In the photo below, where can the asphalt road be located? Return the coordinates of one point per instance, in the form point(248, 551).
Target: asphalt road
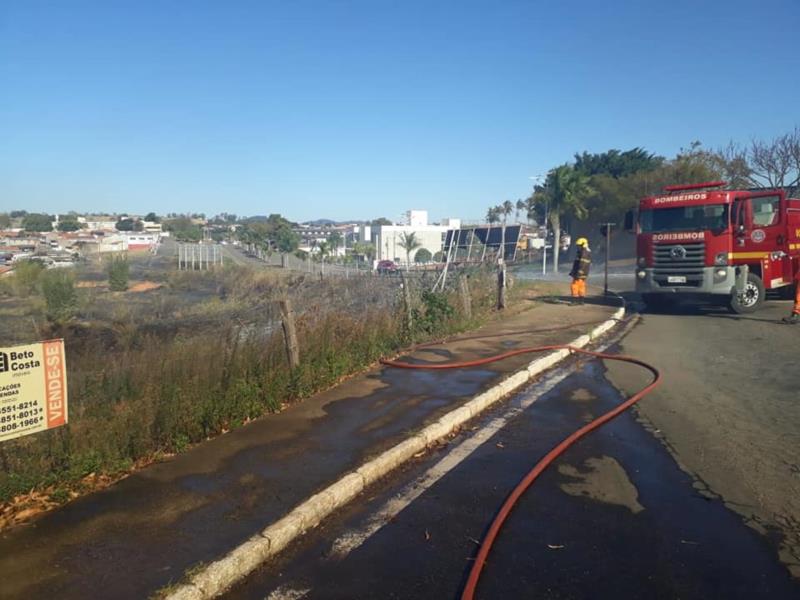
point(730, 413)
point(695, 495)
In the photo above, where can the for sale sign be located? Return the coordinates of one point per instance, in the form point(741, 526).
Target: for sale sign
point(33, 388)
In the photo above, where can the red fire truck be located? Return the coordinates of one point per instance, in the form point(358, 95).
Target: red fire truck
point(703, 243)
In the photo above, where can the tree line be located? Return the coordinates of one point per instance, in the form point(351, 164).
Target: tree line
point(600, 187)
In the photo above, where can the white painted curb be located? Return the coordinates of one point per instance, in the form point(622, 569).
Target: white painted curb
point(219, 575)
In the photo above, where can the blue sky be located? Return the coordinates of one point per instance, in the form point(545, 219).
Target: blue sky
point(360, 109)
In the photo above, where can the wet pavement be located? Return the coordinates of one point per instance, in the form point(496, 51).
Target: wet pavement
point(615, 517)
point(146, 531)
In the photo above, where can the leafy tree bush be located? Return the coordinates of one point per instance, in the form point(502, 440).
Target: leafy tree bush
point(118, 273)
point(434, 314)
point(286, 239)
point(183, 229)
point(26, 274)
point(129, 225)
point(68, 223)
point(37, 222)
point(58, 288)
point(5, 221)
point(423, 255)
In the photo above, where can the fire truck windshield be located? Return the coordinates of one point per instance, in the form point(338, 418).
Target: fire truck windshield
point(684, 218)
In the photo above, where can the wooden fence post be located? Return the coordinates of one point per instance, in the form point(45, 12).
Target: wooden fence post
point(289, 333)
point(466, 299)
point(406, 300)
point(501, 286)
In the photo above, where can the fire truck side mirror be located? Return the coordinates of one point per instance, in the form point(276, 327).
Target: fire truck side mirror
point(629, 221)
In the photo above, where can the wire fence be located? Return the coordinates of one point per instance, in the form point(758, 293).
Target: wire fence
point(206, 350)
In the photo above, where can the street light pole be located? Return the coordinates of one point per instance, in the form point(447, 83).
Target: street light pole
point(607, 227)
point(544, 248)
point(536, 179)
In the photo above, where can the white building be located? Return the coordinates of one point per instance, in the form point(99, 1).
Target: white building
point(388, 240)
point(417, 218)
point(452, 223)
point(98, 224)
point(139, 240)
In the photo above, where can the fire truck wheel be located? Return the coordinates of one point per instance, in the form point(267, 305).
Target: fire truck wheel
point(752, 298)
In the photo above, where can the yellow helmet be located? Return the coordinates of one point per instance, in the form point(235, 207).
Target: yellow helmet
point(582, 242)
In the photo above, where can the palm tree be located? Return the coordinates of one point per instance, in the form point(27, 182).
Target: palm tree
point(567, 189)
point(530, 208)
point(334, 240)
point(519, 207)
point(492, 215)
point(506, 208)
point(324, 249)
point(409, 243)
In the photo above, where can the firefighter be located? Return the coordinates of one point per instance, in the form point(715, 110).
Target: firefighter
point(795, 316)
point(580, 270)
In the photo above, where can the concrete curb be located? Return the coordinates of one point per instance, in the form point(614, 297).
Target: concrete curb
point(216, 577)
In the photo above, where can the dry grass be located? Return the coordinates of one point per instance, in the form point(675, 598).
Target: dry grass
point(150, 374)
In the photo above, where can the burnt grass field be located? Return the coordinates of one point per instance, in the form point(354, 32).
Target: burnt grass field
point(183, 356)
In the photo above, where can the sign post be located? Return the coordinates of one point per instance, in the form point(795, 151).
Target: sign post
point(33, 388)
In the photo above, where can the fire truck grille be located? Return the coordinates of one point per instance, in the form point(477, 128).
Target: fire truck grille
point(671, 262)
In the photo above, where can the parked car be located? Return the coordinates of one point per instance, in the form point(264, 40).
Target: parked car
point(386, 266)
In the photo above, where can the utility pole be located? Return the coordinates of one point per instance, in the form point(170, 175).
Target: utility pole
point(544, 249)
point(606, 231)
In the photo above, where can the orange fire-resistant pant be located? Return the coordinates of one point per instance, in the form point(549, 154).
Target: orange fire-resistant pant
point(578, 288)
point(796, 309)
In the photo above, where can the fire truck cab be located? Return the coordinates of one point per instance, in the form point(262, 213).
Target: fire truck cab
point(702, 243)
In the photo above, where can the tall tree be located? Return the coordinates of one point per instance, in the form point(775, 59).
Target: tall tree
point(492, 215)
point(409, 243)
point(68, 223)
point(324, 249)
point(776, 162)
point(519, 207)
point(335, 240)
point(365, 249)
point(37, 222)
point(617, 164)
point(286, 240)
point(128, 224)
point(506, 208)
point(532, 208)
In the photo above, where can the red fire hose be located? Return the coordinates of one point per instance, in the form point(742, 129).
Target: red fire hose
point(527, 481)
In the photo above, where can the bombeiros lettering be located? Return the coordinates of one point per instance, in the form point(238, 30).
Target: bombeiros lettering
point(680, 198)
point(697, 236)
